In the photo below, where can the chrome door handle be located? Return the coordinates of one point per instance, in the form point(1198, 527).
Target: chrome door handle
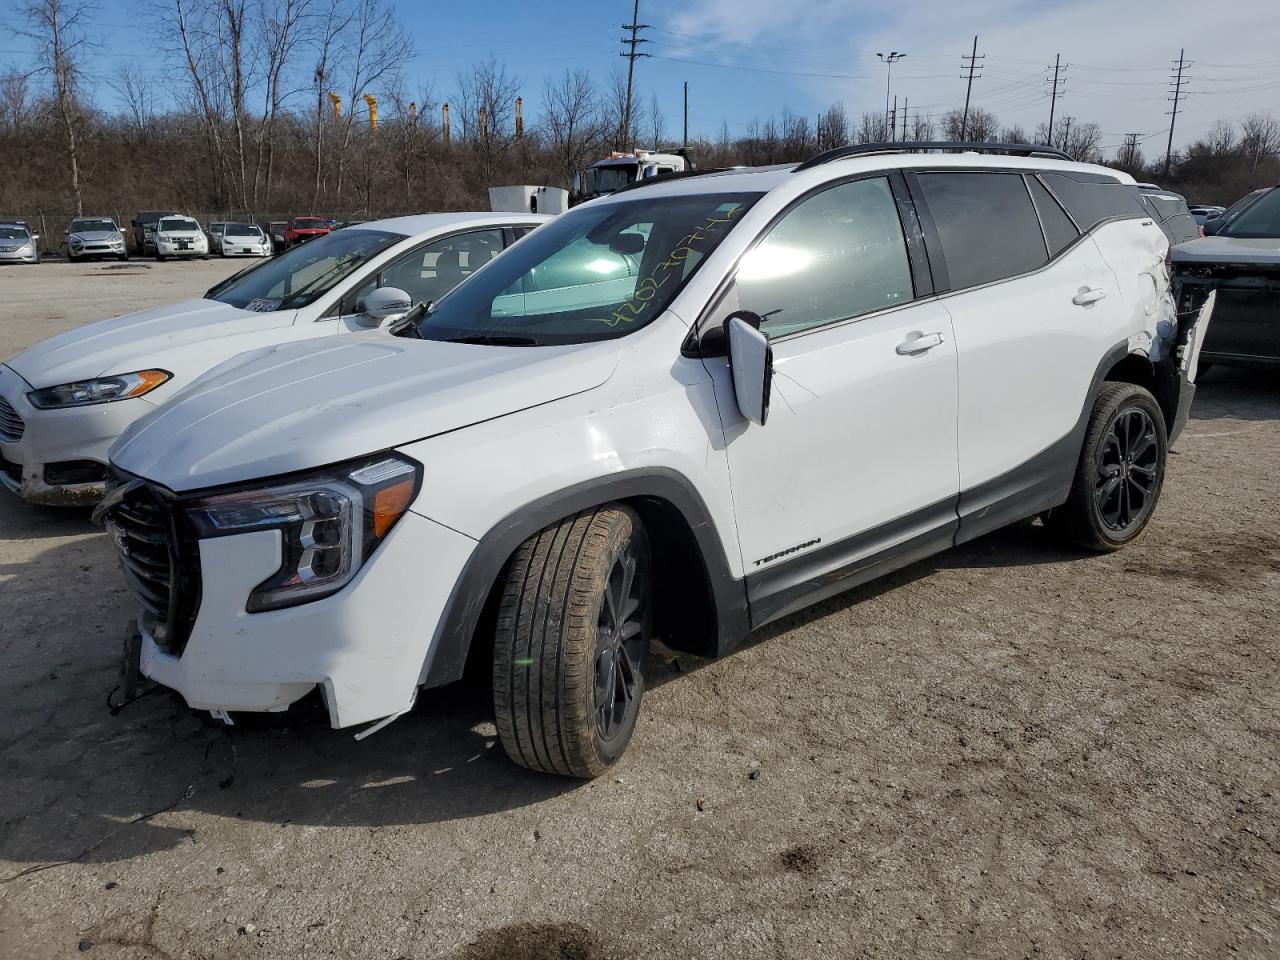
point(918, 343)
point(1087, 295)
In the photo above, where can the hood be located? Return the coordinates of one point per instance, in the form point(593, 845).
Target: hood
point(96, 236)
point(310, 404)
point(1221, 249)
point(137, 341)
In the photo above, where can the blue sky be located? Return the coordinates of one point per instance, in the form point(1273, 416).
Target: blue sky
point(750, 58)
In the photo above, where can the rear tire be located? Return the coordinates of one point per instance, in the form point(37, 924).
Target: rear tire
point(1120, 473)
point(572, 643)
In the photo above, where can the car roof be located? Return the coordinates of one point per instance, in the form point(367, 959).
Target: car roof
point(430, 222)
point(765, 179)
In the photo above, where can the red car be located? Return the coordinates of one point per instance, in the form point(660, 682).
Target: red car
point(299, 229)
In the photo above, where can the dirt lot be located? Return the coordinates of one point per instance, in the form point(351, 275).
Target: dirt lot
point(1008, 751)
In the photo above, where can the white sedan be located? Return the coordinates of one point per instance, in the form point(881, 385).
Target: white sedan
point(242, 240)
point(64, 401)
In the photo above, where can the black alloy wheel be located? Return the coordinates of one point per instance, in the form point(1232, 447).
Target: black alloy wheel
point(1128, 474)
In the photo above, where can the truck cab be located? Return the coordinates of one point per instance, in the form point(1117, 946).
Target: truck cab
point(619, 170)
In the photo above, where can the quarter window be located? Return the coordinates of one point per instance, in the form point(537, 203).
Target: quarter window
point(839, 254)
point(987, 225)
point(1059, 231)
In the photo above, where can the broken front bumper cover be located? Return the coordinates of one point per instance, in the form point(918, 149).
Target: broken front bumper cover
point(365, 647)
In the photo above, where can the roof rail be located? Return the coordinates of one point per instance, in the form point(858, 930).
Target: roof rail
point(870, 149)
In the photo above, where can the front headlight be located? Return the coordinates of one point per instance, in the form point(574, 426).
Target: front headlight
point(101, 390)
point(76, 239)
point(329, 523)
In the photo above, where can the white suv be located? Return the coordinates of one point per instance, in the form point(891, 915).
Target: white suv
point(686, 409)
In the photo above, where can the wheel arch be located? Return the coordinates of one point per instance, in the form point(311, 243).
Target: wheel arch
point(702, 607)
point(1160, 379)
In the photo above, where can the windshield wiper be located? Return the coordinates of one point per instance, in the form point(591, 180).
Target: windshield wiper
point(495, 340)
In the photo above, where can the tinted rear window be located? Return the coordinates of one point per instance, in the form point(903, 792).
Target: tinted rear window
point(1059, 231)
point(987, 224)
point(1091, 199)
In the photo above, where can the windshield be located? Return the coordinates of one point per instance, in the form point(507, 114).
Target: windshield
point(242, 230)
point(91, 226)
point(174, 224)
point(13, 233)
point(614, 178)
point(298, 277)
point(310, 223)
point(1261, 219)
point(597, 272)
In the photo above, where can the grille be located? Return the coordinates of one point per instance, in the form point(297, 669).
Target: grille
point(12, 426)
point(160, 564)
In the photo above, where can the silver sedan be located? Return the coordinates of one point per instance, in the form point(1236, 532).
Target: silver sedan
point(95, 237)
point(17, 244)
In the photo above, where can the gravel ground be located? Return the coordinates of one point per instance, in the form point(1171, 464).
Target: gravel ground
point(1010, 750)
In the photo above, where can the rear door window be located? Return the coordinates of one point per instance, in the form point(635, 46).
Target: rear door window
point(987, 225)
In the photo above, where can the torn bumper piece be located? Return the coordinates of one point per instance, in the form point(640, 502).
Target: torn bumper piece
point(364, 647)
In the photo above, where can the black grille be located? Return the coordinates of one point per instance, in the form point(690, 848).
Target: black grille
point(160, 562)
point(12, 426)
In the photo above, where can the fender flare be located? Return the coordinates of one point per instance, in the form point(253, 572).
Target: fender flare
point(451, 644)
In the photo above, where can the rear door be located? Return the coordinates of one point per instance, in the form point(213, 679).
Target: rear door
point(1031, 299)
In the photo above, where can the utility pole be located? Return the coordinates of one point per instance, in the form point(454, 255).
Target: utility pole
point(888, 59)
point(635, 26)
point(1054, 94)
point(905, 102)
point(973, 64)
point(893, 120)
point(1130, 150)
point(1175, 95)
point(686, 114)
point(1066, 131)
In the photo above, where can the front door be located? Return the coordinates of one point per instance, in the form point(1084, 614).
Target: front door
point(857, 461)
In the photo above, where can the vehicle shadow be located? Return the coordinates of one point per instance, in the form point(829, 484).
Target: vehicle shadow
point(1237, 393)
point(20, 520)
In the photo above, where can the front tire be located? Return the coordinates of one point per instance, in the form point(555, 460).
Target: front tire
point(1120, 472)
point(572, 643)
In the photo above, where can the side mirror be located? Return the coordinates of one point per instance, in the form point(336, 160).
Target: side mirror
point(750, 364)
point(386, 303)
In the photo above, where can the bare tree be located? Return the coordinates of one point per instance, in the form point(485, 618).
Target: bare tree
point(56, 25)
point(571, 115)
point(1259, 139)
point(657, 122)
point(982, 126)
point(133, 87)
point(280, 31)
point(833, 127)
point(329, 28)
point(871, 128)
point(15, 100)
point(486, 107)
point(921, 129)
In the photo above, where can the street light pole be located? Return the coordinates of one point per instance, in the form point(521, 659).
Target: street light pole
point(889, 59)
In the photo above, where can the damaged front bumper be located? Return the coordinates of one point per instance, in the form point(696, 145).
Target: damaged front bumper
point(364, 647)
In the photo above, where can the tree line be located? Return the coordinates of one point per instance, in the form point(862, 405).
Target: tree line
point(265, 108)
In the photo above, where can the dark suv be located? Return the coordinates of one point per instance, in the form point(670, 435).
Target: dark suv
point(143, 227)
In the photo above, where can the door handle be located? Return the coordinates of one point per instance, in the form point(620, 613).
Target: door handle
point(918, 343)
point(1087, 295)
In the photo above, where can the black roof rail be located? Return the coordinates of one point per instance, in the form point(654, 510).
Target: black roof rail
point(870, 149)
